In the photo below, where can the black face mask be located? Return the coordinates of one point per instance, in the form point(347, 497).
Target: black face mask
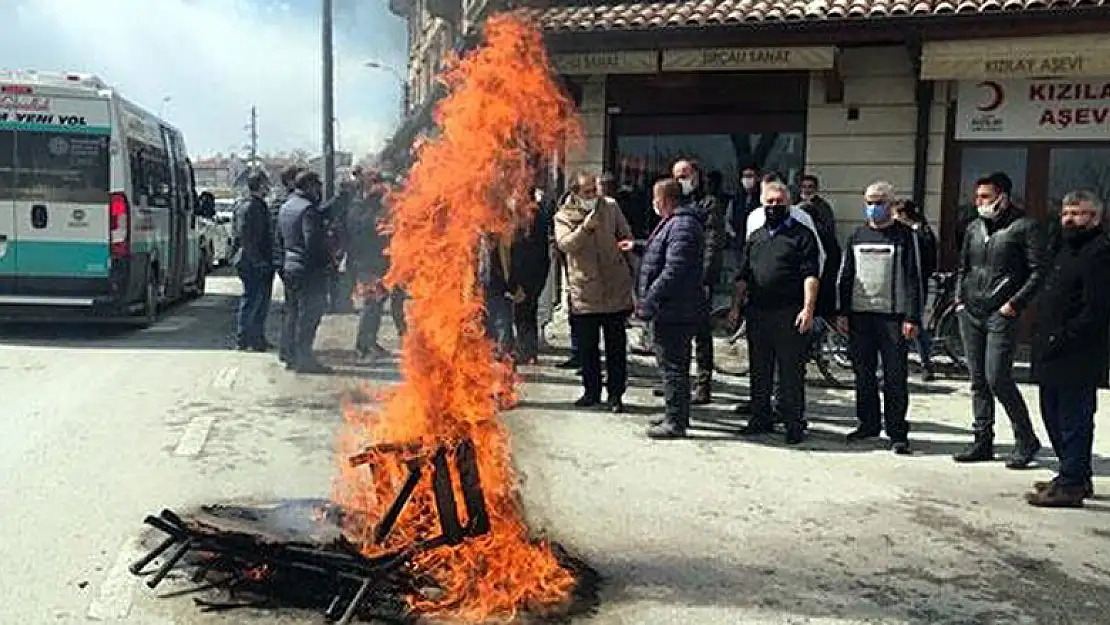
point(776, 215)
point(1078, 234)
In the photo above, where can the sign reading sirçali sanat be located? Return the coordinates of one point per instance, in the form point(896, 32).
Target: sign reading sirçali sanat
point(1046, 109)
point(762, 58)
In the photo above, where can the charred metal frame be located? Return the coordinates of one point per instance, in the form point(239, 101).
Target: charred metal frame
point(248, 553)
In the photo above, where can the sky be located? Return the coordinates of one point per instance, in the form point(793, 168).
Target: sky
point(214, 59)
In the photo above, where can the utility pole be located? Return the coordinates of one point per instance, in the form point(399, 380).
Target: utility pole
point(254, 138)
point(329, 102)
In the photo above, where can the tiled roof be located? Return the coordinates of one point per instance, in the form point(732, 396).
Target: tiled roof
point(568, 16)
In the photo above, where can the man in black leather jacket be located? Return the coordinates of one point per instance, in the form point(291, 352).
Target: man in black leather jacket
point(1001, 270)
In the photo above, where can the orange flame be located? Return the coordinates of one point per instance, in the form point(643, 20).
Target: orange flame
point(504, 110)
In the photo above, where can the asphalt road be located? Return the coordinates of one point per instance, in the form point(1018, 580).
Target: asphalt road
point(103, 427)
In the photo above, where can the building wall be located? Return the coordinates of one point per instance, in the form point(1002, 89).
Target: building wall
point(590, 156)
point(847, 155)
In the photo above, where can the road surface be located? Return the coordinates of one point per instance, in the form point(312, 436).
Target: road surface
point(101, 429)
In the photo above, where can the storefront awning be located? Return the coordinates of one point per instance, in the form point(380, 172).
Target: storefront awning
point(1026, 57)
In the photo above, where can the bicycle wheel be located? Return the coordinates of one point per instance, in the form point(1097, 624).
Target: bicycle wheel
point(950, 339)
point(835, 346)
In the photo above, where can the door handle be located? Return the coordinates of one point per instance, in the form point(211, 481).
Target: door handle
point(38, 216)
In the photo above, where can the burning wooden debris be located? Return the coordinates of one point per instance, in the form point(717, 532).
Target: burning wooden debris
point(294, 553)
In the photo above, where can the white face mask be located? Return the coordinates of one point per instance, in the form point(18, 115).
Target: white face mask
point(589, 204)
point(749, 183)
point(687, 185)
point(808, 195)
point(989, 211)
point(655, 207)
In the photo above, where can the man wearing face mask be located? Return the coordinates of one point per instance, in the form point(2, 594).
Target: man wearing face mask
point(303, 225)
point(879, 300)
point(779, 276)
point(712, 217)
point(1070, 360)
point(1001, 270)
point(743, 204)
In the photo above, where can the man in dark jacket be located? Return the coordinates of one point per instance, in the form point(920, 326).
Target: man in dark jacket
point(671, 297)
point(530, 265)
point(1070, 359)
point(367, 262)
point(823, 219)
point(880, 307)
point(779, 275)
point(252, 256)
point(1001, 269)
point(307, 261)
point(712, 216)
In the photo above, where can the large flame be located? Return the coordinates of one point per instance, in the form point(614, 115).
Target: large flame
point(504, 110)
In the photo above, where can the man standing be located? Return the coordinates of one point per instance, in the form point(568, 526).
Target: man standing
point(252, 257)
point(780, 269)
point(1070, 360)
point(368, 262)
point(1001, 267)
point(302, 221)
point(530, 265)
point(820, 211)
point(879, 303)
point(671, 298)
point(593, 234)
point(690, 180)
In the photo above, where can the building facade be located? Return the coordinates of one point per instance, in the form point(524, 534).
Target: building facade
point(927, 95)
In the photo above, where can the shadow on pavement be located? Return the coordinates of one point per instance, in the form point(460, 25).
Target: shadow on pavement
point(203, 324)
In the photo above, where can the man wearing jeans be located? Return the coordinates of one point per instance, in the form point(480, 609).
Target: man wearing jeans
point(1001, 269)
point(670, 298)
point(253, 259)
point(1070, 359)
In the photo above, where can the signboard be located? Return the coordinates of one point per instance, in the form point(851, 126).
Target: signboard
point(33, 112)
point(1008, 59)
point(626, 62)
point(749, 59)
point(1044, 109)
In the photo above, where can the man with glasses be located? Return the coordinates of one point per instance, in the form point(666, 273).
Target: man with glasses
point(1001, 270)
point(1070, 359)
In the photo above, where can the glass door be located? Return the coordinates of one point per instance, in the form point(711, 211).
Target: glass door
point(979, 161)
point(1071, 169)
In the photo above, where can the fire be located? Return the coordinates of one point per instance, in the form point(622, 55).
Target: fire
point(504, 110)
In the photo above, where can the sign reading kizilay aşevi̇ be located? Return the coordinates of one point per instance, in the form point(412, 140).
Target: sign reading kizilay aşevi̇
point(1037, 109)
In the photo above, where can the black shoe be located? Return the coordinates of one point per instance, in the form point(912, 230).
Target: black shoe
point(928, 374)
point(242, 347)
point(901, 448)
point(657, 392)
point(586, 401)
point(569, 364)
point(313, 368)
point(616, 406)
point(701, 396)
point(982, 450)
point(861, 434)
point(755, 428)
point(1088, 490)
point(795, 434)
point(666, 430)
point(1023, 455)
point(657, 420)
point(260, 348)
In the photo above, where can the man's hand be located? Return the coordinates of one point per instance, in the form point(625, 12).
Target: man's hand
point(909, 330)
point(1008, 310)
point(842, 324)
point(518, 295)
point(734, 315)
point(804, 321)
point(626, 245)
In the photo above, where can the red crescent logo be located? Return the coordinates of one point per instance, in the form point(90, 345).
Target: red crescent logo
point(994, 96)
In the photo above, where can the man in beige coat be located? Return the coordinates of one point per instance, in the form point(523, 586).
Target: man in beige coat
point(594, 235)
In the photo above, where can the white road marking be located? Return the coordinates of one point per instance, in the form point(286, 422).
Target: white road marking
point(225, 378)
point(113, 602)
point(195, 436)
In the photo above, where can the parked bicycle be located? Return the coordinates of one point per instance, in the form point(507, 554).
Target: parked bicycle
point(944, 322)
point(828, 352)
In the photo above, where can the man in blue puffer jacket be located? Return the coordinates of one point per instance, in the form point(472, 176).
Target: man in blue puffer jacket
point(670, 296)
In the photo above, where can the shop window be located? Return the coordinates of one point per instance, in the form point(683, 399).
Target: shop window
point(1071, 169)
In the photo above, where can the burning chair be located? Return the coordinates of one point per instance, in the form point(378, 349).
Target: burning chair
point(294, 554)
